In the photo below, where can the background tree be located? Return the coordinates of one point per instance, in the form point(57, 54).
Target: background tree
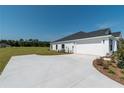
point(26, 43)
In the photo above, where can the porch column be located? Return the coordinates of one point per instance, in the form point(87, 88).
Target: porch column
point(115, 45)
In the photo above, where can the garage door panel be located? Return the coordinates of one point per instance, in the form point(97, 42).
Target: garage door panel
point(93, 49)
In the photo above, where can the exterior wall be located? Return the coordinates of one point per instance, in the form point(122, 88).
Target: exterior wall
point(96, 46)
point(59, 48)
point(53, 46)
point(69, 47)
point(105, 47)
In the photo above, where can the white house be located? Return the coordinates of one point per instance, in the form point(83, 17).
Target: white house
point(100, 42)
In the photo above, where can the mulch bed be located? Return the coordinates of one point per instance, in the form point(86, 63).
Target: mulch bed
point(115, 77)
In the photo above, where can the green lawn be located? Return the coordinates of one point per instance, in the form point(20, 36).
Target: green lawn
point(7, 53)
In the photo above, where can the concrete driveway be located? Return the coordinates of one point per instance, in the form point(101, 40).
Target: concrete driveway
point(64, 71)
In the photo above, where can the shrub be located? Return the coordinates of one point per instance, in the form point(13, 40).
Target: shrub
point(121, 64)
point(105, 65)
point(122, 71)
point(114, 65)
point(113, 58)
point(61, 51)
point(122, 78)
point(111, 71)
point(109, 62)
point(119, 55)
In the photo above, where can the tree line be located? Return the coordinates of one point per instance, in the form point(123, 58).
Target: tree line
point(26, 43)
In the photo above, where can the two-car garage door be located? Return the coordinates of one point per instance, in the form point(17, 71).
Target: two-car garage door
point(92, 49)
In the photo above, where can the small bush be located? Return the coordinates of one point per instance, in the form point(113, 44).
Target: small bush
point(122, 78)
point(121, 64)
point(61, 51)
point(122, 71)
point(114, 65)
point(111, 71)
point(108, 62)
point(105, 65)
point(114, 57)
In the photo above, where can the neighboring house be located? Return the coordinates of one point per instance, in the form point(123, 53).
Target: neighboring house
point(100, 42)
point(4, 45)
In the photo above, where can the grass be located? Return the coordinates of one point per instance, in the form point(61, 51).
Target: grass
point(7, 53)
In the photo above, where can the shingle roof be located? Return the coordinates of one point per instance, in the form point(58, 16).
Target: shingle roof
point(80, 35)
point(116, 34)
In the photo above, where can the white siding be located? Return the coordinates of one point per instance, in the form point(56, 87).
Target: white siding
point(53, 46)
point(59, 48)
point(97, 46)
point(105, 47)
point(69, 47)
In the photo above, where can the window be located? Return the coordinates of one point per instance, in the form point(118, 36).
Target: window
point(63, 46)
point(56, 47)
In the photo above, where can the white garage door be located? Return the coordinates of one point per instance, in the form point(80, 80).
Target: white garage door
point(92, 49)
